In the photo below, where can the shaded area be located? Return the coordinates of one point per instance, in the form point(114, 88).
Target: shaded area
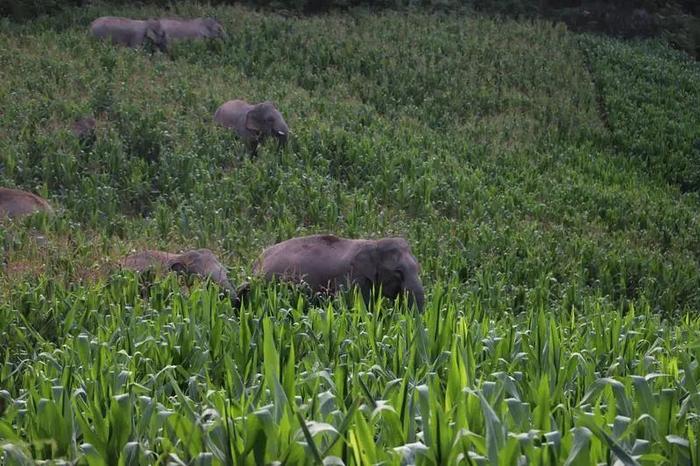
point(677, 21)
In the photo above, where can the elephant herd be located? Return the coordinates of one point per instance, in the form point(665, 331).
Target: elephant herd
point(158, 32)
point(324, 263)
point(253, 123)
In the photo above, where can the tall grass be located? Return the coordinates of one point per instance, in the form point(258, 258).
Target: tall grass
point(562, 273)
point(113, 378)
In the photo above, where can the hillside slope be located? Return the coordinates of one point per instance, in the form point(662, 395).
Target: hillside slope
point(480, 141)
point(539, 176)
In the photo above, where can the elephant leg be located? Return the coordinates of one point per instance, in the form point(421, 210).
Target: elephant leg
point(367, 296)
point(253, 148)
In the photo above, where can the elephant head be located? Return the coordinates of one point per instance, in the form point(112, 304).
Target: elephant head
point(389, 264)
point(214, 28)
point(264, 120)
point(201, 262)
point(84, 130)
point(156, 35)
point(204, 263)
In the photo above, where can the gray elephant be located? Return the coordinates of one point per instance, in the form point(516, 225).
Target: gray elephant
point(83, 128)
point(15, 203)
point(327, 263)
point(198, 28)
point(253, 123)
point(200, 262)
point(130, 32)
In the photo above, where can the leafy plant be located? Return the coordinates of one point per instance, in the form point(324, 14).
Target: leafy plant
point(561, 268)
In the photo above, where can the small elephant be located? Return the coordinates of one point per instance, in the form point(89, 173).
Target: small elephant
point(15, 203)
point(200, 262)
point(198, 28)
point(327, 263)
point(130, 32)
point(84, 130)
point(253, 122)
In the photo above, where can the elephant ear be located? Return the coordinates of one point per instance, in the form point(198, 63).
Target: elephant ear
point(214, 27)
point(156, 34)
point(151, 33)
point(253, 121)
point(179, 266)
point(364, 264)
point(390, 251)
point(390, 272)
point(376, 265)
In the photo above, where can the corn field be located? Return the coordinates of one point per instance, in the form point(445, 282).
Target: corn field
point(546, 181)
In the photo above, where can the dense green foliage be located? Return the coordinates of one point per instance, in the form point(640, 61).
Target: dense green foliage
point(651, 102)
point(188, 380)
point(676, 21)
point(507, 153)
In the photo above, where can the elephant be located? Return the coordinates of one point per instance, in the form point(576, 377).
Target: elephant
point(84, 130)
point(15, 203)
point(253, 122)
point(200, 262)
point(130, 32)
point(198, 28)
point(327, 263)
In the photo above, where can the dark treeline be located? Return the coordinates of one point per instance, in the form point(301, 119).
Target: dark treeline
point(676, 21)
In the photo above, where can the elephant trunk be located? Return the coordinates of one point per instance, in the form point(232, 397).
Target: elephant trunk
point(219, 277)
point(282, 137)
point(231, 292)
point(416, 295)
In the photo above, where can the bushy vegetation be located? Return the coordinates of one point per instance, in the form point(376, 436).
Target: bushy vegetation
point(650, 101)
point(561, 267)
point(189, 380)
